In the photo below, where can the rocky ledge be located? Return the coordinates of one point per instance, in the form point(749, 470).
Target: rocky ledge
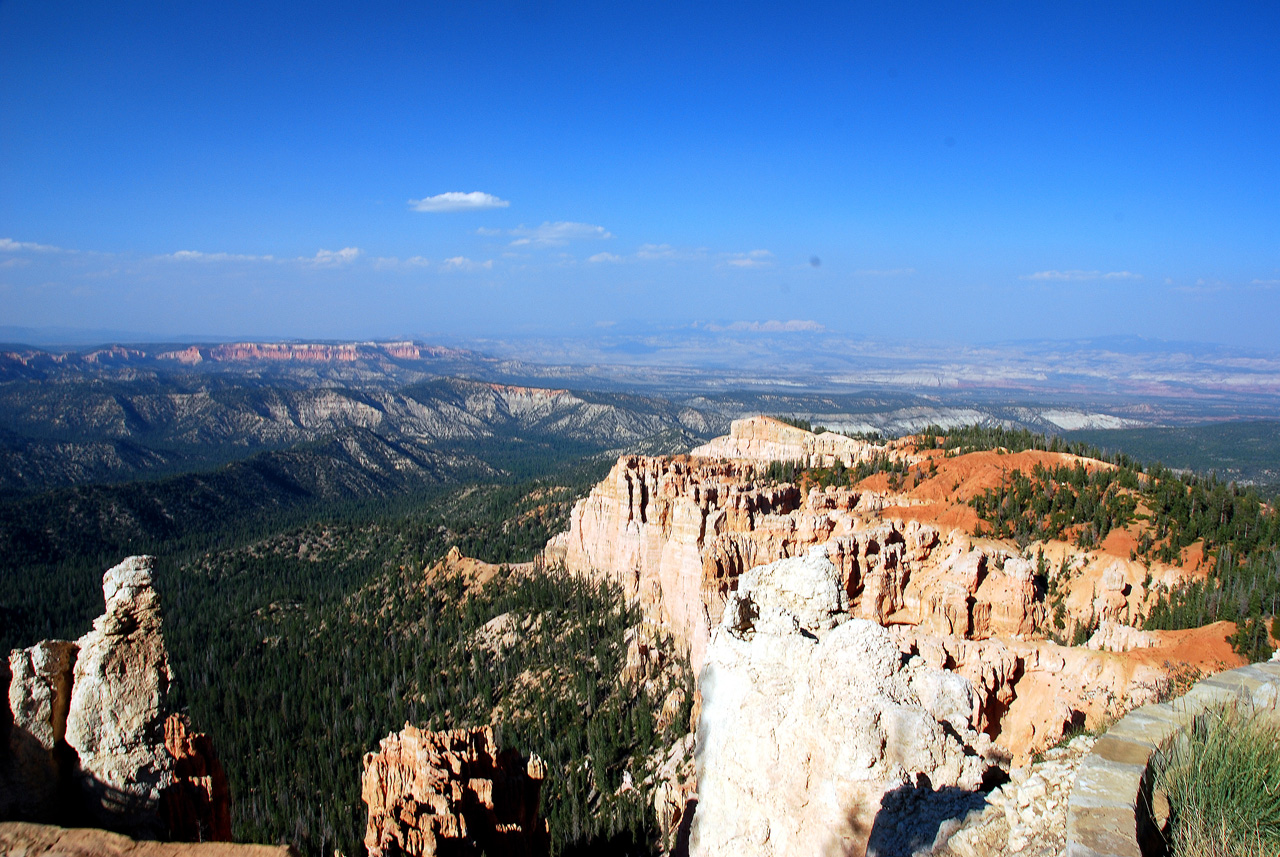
point(23, 839)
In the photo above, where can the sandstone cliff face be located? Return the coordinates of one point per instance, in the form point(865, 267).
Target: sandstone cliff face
point(452, 793)
point(679, 532)
point(766, 439)
point(91, 738)
point(811, 720)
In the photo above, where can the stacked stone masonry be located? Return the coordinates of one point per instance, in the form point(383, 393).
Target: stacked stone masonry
point(1110, 811)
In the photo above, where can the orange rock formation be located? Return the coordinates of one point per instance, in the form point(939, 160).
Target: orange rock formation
point(452, 793)
point(197, 807)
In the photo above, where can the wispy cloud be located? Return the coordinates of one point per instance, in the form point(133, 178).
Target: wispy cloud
point(8, 245)
point(197, 256)
point(558, 234)
point(885, 272)
point(604, 257)
point(457, 201)
point(754, 259)
point(1063, 276)
point(1203, 286)
point(1266, 284)
point(656, 251)
point(391, 263)
point(771, 326)
point(333, 258)
point(462, 263)
point(665, 252)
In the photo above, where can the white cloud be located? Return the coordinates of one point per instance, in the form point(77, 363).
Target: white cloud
point(462, 263)
point(330, 258)
point(486, 231)
point(1203, 286)
point(772, 326)
point(885, 272)
point(457, 201)
point(604, 257)
point(1061, 276)
point(1267, 284)
point(197, 256)
point(754, 259)
point(417, 261)
point(658, 252)
point(8, 245)
point(558, 234)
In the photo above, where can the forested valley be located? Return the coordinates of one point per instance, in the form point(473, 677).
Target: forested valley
point(299, 643)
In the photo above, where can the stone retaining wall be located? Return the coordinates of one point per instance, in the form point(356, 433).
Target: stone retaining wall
point(1109, 813)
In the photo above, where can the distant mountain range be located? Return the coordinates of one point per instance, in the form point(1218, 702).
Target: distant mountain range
point(121, 444)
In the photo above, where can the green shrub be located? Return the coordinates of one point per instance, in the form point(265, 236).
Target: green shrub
point(1222, 779)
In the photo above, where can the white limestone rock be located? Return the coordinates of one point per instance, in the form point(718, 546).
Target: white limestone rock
point(117, 711)
point(810, 720)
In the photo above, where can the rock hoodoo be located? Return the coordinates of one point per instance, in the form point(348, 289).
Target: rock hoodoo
point(92, 740)
point(116, 719)
point(452, 793)
point(814, 724)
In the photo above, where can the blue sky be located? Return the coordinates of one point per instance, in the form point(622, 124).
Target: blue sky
point(948, 172)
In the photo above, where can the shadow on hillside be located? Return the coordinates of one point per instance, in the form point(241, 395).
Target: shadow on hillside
point(910, 816)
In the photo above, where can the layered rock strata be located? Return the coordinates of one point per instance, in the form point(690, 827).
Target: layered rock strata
point(766, 439)
point(452, 793)
point(814, 727)
point(91, 737)
point(677, 533)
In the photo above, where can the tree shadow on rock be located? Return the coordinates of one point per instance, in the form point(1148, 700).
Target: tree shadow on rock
point(911, 817)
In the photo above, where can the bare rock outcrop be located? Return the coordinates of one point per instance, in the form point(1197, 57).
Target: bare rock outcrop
point(452, 793)
point(1114, 637)
point(678, 533)
point(816, 734)
point(39, 695)
point(197, 806)
point(767, 439)
point(116, 719)
point(91, 738)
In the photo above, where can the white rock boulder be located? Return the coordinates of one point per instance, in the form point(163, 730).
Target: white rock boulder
point(811, 721)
